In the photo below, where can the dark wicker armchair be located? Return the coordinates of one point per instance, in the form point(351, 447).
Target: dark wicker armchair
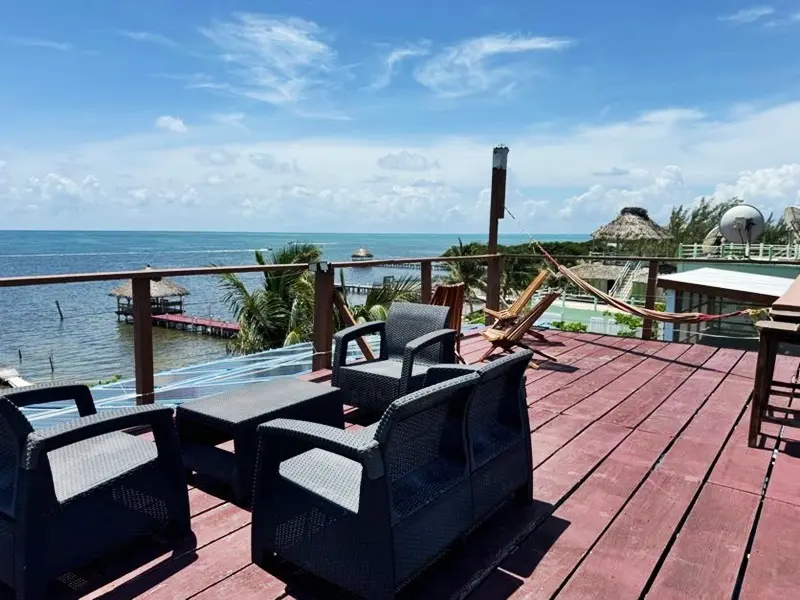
point(414, 337)
point(367, 510)
point(498, 430)
point(75, 491)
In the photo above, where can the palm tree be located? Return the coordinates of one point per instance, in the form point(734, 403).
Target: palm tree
point(469, 272)
point(280, 312)
point(376, 305)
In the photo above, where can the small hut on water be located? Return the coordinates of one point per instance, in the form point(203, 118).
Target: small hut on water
point(166, 298)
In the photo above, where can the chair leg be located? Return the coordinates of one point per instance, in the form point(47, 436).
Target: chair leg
point(488, 353)
point(538, 336)
point(537, 351)
point(765, 365)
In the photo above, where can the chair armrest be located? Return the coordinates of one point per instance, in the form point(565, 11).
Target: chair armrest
point(345, 336)
point(497, 314)
point(49, 439)
point(42, 393)
point(339, 441)
point(442, 373)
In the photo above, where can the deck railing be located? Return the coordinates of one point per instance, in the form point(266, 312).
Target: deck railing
point(324, 286)
point(772, 252)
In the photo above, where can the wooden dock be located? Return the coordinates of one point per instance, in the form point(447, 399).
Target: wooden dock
point(643, 486)
point(12, 378)
point(197, 324)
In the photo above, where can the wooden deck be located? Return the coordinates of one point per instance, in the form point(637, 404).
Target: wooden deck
point(644, 487)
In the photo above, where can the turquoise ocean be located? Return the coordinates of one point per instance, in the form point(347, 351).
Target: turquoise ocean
point(89, 344)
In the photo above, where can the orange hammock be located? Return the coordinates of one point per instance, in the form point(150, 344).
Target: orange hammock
point(645, 313)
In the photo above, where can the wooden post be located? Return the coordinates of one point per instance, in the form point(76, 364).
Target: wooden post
point(426, 275)
point(650, 299)
point(497, 209)
point(60, 314)
point(143, 342)
point(323, 316)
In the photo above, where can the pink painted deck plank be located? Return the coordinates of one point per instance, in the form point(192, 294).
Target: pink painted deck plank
point(624, 558)
point(211, 527)
point(553, 479)
point(594, 357)
point(704, 561)
point(655, 392)
point(741, 467)
point(772, 571)
point(554, 549)
point(606, 398)
point(546, 440)
point(251, 583)
point(211, 565)
point(617, 361)
point(668, 417)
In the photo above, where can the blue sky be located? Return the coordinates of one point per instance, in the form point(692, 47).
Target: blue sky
point(373, 116)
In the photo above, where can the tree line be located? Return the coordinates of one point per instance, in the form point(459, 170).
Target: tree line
point(280, 311)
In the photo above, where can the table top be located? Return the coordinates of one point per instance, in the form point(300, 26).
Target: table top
point(256, 400)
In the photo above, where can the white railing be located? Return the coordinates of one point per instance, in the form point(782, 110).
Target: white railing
point(755, 251)
point(627, 287)
point(620, 282)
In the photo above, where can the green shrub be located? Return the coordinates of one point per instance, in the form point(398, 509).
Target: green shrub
point(571, 326)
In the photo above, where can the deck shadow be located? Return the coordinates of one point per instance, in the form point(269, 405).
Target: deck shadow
point(171, 557)
point(459, 571)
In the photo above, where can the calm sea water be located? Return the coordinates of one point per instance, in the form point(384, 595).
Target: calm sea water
point(89, 344)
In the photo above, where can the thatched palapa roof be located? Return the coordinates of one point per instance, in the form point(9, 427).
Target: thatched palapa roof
point(598, 270)
point(163, 288)
point(632, 224)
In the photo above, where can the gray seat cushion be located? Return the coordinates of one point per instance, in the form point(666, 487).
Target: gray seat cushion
point(84, 465)
point(391, 369)
point(335, 478)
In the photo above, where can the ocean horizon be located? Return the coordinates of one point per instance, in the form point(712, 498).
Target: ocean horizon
point(90, 345)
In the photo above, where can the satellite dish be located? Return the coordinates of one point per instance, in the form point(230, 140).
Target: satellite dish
point(742, 224)
point(712, 241)
point(791, 217)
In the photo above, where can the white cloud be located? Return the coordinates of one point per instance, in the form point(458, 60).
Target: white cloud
point(342, 185)
point(406, 161)
point(272, 59)
point(174, 124)
point(771, 188)
point(267, 162)
point(394, 58)
point(217, 157)
point(657, 195)
point(748, 15)
point(32, 42)
point(235, 120)
point(467, 68)
point(149, 37)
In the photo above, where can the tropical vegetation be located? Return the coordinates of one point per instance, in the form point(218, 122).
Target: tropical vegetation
point(280, 310)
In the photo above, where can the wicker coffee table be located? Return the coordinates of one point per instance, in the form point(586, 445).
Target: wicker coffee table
point(205, 423)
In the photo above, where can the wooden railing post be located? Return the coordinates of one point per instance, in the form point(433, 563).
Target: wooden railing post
point(143, 341)
point(323, 316)
point(426, 276)
point(493, 274)
point(650, 299)
point(497, 209)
